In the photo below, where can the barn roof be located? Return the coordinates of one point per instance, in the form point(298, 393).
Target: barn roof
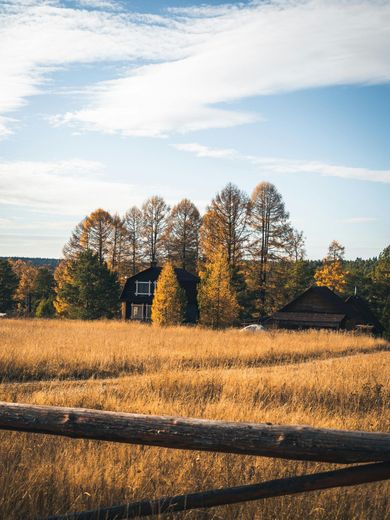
point(337, 304)
point(184, 278)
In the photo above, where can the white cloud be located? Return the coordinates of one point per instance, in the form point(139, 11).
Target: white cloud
point(73, 187)
point(359, 220)
point(195, 61)
point(201, 150)
point(38, 37)
point(285, 166)
point(259, 49)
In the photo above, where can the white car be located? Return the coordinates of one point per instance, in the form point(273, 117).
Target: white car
point(254, 327)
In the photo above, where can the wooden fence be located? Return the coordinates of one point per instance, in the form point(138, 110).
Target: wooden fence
point(266, 440)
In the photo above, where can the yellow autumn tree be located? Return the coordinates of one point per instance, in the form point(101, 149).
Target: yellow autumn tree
point(168, 306)
point(217, 299)
point(332, 275)
point(61, 277)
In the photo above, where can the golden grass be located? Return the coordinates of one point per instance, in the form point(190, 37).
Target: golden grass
point(318, 378)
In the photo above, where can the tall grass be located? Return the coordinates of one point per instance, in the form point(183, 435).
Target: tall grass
point(317, 378)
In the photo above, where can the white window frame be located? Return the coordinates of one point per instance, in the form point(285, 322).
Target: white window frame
point(139, 306)
point(137, 290)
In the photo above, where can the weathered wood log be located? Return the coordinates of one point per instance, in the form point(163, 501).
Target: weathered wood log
point(287, 442)
point(218, 497)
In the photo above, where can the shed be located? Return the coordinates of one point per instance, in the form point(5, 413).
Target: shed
point(321, 308)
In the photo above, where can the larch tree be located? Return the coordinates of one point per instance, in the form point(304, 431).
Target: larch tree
point(335, 252)
point(134, 223)
point(117, 247)
point(93, 233)
point(98, 228)
point(332, 273)
point(168, 306)
point(217, 300)
point(225, 224)
point(8, 285)
point(61, 278)
point(271, 232)
point(182, 234)
point(154, 220)
point(77, 242)
point(24, 294)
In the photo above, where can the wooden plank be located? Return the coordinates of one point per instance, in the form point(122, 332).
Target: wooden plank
point(288, 442)
point(217, 497)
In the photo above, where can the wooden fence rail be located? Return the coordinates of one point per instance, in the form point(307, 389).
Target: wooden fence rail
point(268, 440)
point(220, 497)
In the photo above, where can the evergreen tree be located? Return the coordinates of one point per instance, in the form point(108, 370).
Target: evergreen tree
point(90, 290)
point(45, 308)
point(8, 285)
point(169, 301)
point(216, 297)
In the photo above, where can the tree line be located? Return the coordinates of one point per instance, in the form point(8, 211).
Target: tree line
point(250, 237)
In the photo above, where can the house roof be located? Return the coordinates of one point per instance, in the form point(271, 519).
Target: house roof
point(185, 278)
point(325, 293)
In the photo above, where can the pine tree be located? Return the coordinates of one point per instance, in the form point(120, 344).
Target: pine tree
point(169, 301)
point(217, 299)
point(90, 290)
point(8, 285)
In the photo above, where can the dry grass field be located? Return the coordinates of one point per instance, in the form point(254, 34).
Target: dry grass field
point(316, 378)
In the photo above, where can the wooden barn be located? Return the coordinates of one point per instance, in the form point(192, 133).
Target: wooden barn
point(138, 291)
point(321, 308)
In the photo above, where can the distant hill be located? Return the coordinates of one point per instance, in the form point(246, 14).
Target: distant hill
point(38, 262)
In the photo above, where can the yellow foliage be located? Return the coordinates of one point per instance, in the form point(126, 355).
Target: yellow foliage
point(217, 300)
point(332, 275)
point(61, 276)
point(168, 301)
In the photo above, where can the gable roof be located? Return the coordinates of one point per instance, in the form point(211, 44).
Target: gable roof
point(184, 278)
point(337, 304)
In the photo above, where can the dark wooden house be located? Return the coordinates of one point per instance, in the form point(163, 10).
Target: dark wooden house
point(321, 308)
point(138, 291)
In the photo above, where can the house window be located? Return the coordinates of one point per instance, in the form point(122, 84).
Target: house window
point(148, 312)
point(143, 288)
point(137, 311)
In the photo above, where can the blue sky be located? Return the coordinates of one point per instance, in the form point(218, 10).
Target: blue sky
point(104, 103)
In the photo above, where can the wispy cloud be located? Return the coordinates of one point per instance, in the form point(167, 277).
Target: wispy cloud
point(73, 187)
point(187, 66)
point(285, 166)
point(257, 49)
point(359, 220)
